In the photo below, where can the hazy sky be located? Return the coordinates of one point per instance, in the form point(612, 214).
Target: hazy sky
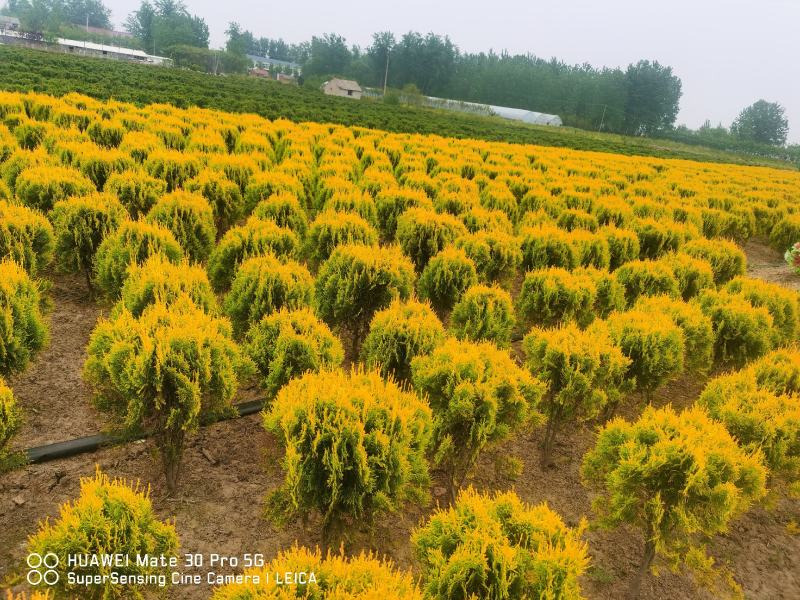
point(728, 53)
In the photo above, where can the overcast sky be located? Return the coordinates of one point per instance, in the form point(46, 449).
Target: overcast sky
point(728, 53)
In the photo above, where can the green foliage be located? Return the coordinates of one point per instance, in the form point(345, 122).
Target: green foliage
point(479, 219)
point(548, 246)
point(287, 343)
point(133, 242)
point(693, 274)
point(653, 343)
point(446, 277)
point(357, 281)
point(285, 209)
point(673, 476)
point(781, 303)
point(478, 396)
point(738, 224)
point(742, 331)
point(262, 285)
point(10, 418)
point(160, 281)
point(497, 255)
point(163, 372)
point(223, 195)
point(41, 187)
point(757, 418)
point(763, 122)
point(257, 237)
point(484, 314)
point(81, 224)
point(392, 202)
point(610, 292)
point(657, 238)
point(23, 331)
point(109, 516)
point(422, 233)
point(727, 260)
point(572, 219)
point(26, 237)
point(623, 245)
point(397, 335)
point(552, 296)
point(337, 576)
point(190, 219)
point(584, 372)
point(647, 278)
point(498, 547)
point(355, 202)
point(592, 249)
point(106, 133)
point(137, 191)
point(332, 229)
point(355, 445)
point(698, 332)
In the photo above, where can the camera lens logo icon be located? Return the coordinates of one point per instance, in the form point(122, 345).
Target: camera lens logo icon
point(42, 569)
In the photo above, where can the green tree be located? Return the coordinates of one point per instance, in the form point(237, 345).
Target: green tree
point(653, 94)
point(763, 122)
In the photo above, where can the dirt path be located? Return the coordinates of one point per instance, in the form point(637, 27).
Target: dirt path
point(765, 263)
point(220, 505)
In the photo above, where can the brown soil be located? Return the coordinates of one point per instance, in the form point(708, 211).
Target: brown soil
point(230, 468)
point(763, 262)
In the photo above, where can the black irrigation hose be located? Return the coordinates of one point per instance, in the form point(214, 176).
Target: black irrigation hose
point(91, 443)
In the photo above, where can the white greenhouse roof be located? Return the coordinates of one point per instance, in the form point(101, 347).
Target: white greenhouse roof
point(106, 48)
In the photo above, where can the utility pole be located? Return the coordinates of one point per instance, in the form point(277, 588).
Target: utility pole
point(603, 118)
point(386, 72)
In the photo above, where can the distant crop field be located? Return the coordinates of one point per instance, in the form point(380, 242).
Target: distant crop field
point(462, 352)
point(58, 74)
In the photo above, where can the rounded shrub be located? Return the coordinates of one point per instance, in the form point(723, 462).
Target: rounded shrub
point(109, 517)
point(335, 576)
point(552, 296)
point(423, 233)
point(137, 191)
point(23, 332)
point(81, 224)
point(727, 260)
point(623, 246)
point(610, 292)
point(398, 334)
point(355, 445)
point(357, 281)
point(162, 373)
point(26, 237)
point(647, 278)
point(479, 396)
point(41, 187)
point(615, 212)
point(446, 277)
point(734, 224)
point(133, 242)
point(548, 246)
point(779, 371)
point(584, 372)
point(785, 233)
point(173, 167)
point(264, 185)
point(222, 194)
point(106, 133)
point(98, 166)
point(657, 238)
point(572, 219)
point(355, 202)
point(693, 274)
point(484, 314)
point(392, 202)
point(497, 255)
point(689, 474)
point(654, 345)
point(285, 209)
point(287, 343)
point(262, 285)
point(10, 418)
point(592, 249)
point(781, 303)
point(500, 547)
point(758, 419)
point(160, 281)
point(257, 237)
point(742, 331)
point(332, 229)
point(478, 219)
point(698, 332)
point(190, 219)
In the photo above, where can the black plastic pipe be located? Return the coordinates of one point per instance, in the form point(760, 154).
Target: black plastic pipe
point(92, 443)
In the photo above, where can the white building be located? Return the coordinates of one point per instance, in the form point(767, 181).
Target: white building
point(342, 87)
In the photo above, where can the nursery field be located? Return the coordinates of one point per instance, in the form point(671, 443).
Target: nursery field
point(57, 74)
point(488, 370)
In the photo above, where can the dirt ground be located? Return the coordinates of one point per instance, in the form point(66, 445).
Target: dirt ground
point(230, 468)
